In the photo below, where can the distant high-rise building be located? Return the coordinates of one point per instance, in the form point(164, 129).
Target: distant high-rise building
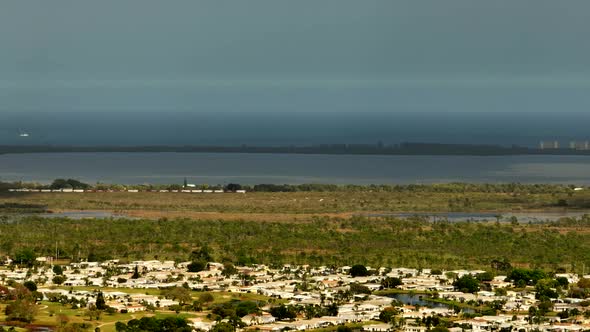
point(543, 145)
point(575, 145)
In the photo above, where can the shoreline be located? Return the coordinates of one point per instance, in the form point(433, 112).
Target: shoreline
point(405, 149)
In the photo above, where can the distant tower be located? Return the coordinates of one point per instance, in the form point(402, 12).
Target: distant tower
point(579, 145)
point(549, 145)
point(185, 183)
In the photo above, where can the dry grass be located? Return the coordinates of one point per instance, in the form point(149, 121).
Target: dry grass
point(279, 207)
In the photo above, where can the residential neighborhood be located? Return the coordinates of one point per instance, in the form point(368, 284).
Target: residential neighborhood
point(378, 299)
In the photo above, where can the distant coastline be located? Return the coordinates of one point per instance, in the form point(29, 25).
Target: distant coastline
point(325, 149)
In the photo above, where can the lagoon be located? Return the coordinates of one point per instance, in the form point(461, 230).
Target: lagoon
point(223, 168)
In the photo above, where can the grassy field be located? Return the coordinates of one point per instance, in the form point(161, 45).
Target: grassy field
point(48, 312)
point(301, 206)
point(48, 316)
point(305, 227)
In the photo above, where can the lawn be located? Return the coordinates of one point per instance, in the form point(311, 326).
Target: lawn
point(48, 312)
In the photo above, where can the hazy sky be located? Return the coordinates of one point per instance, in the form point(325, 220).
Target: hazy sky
point(138, 53)
point(305, 56)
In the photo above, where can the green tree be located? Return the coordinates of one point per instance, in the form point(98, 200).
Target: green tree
point(229, 269)
point(202, 254)
point(223, 327)
point(135, 273)
point(391, 282)
point(244, 308)
point(388, 314)
point(486, 276)
point(58, 280)
point(562, 281)
point(534, 316)
point(197, 266)
point(501, 265)
point(467, 284)
point(526, 276)
point(153, 324)
point(356, 288)
point(233, 187)
point(439, 329)
point(358, 270)
point(25, 257)
point(21, 310)
point(545, 306)
point(545, 288)
point(180, 294)
point(68, 184)
point(57, 269)
point(206, 298)
point(283, 312)
point(332, 310)
point(60, 184)
point(30, 285)
point(100, 302)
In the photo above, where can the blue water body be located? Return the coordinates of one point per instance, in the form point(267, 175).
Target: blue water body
point(356, 124)
point(528, 217)
point(78, 215)
point(422, 300)
point(219, 168)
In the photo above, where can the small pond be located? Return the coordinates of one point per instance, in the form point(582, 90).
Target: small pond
point(422, 300)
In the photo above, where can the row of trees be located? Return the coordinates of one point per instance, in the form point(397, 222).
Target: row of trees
point(378, 242)
point(415, 188)
point(290, 312)
point(546, 286)
point(153, 324)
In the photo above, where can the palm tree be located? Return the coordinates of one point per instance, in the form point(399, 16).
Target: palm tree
point(401, 322)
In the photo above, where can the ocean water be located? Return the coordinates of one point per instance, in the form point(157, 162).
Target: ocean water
point(273, 128)
point(219, 168)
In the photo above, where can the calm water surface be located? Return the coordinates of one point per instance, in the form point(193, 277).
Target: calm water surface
point(521, 217)
point(220, 168)
point(423, 301)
